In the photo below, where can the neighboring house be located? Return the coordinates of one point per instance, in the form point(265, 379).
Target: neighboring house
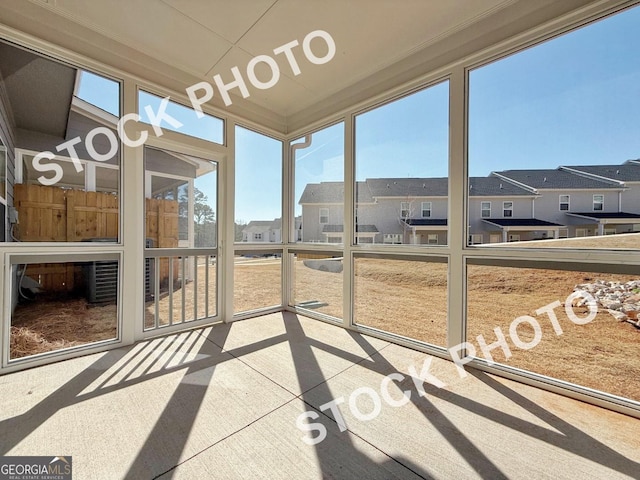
point(501, 211)
point(589, 199)
point(511, 205)
point(626, 217)
point(263, 231)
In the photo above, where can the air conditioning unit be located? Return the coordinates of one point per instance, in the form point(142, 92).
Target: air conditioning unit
point(102, 276)
point(102, 281)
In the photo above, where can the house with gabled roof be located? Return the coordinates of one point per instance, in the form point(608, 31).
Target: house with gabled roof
point(510, 205)
point(260, 231)
point(588, 200)
point(627, 216)
point(502, 211)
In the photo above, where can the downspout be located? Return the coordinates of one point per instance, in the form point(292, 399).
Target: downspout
point(620, 201)
point(292, 155)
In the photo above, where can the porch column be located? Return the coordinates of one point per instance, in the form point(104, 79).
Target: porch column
point(504, 235)
point(600, 228)
point(414, 237)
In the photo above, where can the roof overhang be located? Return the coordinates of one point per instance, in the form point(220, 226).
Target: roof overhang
point(617, 218)
point(523, 225)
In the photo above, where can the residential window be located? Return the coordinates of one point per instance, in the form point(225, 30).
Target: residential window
point(426, 209)
point(564, 203)
point(324, 215)
point(514, 237)
point(485, 209)
point(507, 209)
point(257, 236)
point(432, 239)
point(598, 203)
point(404, 209)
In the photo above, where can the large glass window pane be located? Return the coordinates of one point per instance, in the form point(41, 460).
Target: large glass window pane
point(258, 205)
point(317, 282)
point(257, 281)
point(100, 92)
point(319, 186)
point(576, 326)
point(61, 305)
point(553, 132)
point(71, 193)
point(402, 158)
point(405, 297)
point(181, 200)
point(207, 128)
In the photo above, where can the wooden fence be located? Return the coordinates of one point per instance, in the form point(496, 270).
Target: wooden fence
point(54, 214)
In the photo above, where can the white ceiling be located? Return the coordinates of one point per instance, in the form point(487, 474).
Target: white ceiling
point(176, 43)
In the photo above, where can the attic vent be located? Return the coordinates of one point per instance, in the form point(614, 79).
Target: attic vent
point(424, 185)
point(617, 172)
point(500, 186)
point(545, 179)
point(388, 186)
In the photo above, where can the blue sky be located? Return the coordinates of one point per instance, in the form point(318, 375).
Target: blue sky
point(572, 100)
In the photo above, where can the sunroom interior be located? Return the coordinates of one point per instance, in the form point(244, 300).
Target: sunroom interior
point(456, 179)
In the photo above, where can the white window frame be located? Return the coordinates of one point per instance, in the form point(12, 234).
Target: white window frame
point(257, 236)
point(324, 217)
point(426, 207)
point(601, 203)
point(505, 209)
point(432, 239)
point(405, 210)
point(483, 209)
point(567, 203)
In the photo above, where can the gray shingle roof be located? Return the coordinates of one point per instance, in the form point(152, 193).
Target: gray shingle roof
point(628, 172)
point(422, 222)
point(359, 228)
point(521, 222)
point(555, 179)
point(333, 192)
point(258, 225)
point(408, 187)
point(494, 186)
point(607, 215)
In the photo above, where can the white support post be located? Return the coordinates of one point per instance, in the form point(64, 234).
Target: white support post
point(133, 228)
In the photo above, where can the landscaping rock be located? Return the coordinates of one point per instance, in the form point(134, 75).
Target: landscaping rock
point(621, 300)
point(619, 316)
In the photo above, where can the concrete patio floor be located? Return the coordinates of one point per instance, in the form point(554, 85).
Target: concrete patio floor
point(224, 401)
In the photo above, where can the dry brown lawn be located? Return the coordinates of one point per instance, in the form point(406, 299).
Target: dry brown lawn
point(623, 241)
